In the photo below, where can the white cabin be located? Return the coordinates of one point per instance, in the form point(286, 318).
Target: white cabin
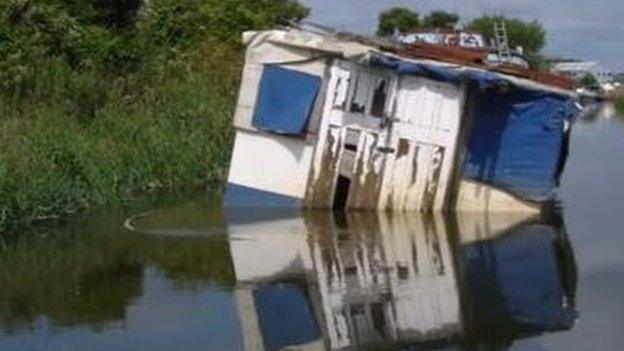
point(321, 123)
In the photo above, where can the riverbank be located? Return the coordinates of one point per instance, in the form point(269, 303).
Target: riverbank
point(98, 104)
point(175, 132)
point(619, 101)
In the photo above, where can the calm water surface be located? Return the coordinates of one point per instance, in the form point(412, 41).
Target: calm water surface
point(191, 277)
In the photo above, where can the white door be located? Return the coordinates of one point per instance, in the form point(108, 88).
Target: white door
point(426, 128)
point(353, 139)
point(385, 142)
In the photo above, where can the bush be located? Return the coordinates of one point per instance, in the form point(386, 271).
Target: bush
point(441, 19)
point(589, 81)
point(175, 22)
point(104, 99)
point(400, 19)
point(95, 144)
point(530, 35)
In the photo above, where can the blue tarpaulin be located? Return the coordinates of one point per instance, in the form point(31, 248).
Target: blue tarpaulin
point(482, 79)
point(518, 141)
point(285, 100)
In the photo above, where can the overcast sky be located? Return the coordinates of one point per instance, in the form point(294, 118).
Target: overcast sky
point(585, 29)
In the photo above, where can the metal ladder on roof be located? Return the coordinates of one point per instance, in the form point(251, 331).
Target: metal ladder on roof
point(502, 41)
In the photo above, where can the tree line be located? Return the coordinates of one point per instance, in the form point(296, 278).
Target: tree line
point(531, 36)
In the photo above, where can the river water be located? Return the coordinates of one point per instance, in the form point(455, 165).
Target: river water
point(187, 275)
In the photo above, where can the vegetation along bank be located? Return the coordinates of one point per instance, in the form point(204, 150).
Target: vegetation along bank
point(102, 100)
point(619, 101)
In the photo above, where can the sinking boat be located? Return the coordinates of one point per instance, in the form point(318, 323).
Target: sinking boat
point(329, 120)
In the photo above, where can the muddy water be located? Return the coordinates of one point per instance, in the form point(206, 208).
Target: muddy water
point(191, 276)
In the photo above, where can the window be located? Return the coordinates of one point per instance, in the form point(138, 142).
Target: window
point(285, 100)
point(341, 91)
point(380, 95)
point(369, 93)
point(361, 86)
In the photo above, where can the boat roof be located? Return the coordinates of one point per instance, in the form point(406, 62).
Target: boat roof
point(476, 58)
point(460, 62)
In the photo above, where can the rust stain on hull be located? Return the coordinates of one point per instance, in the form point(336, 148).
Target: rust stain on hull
point(320, 189)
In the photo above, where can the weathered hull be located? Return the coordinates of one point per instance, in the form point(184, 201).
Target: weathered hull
point(479, 197)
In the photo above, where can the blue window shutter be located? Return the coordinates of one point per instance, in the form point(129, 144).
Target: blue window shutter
point(285, 101)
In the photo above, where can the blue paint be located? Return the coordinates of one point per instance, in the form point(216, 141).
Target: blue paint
point(285, 316)
point(248, 205)
point(482, 79)
point(243, 196)
point(285, 101)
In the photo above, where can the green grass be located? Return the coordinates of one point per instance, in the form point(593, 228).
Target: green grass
point(77, 140)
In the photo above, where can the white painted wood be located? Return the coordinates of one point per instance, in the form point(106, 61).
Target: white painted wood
point(415, 138)
point(478, 197)
point(428, 118)
point(272, 163)
point(337, 93)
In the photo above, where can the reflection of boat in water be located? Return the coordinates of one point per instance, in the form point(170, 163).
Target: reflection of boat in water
point(519, 282)
point(363, 280)
point(602, 111)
